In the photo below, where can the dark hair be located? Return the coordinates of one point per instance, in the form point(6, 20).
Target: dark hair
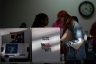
point(23, 25)
point(40, 20)
point(12, 37)
point(75, 18)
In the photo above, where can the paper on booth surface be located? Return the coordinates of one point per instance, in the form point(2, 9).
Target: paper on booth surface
point(45, 45)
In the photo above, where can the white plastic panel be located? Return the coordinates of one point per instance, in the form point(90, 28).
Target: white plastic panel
point(45, 45)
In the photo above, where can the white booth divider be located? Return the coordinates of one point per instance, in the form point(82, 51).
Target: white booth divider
point(45, 45)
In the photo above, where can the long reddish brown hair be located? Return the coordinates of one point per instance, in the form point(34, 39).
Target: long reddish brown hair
point(67, 21)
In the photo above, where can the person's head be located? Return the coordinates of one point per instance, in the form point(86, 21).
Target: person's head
point(61, 15)
point(64, 17)
point(41, 20)
point(23, 25)
point(75, 18)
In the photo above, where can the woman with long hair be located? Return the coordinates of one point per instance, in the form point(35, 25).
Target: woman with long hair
point(73, 39)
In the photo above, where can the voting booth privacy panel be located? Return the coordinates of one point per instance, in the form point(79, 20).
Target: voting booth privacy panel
point(15, 48)
point(45, 45)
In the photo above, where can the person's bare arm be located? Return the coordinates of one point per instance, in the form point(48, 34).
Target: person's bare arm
point(64, 36)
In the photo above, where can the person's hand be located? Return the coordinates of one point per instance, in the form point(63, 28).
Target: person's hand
point(78, 44)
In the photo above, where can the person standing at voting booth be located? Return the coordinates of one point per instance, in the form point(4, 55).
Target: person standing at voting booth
point(41, 20)
point(73, 39)
point(93, 36)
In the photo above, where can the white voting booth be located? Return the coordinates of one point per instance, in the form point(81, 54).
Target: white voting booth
point(14, 50)
point(45, 45)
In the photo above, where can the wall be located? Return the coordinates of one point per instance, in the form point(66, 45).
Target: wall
point(0, 12)
point(17, 11)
